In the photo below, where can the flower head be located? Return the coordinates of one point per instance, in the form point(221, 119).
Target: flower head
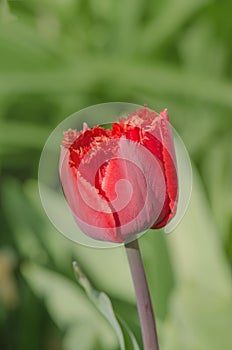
point(121, 181)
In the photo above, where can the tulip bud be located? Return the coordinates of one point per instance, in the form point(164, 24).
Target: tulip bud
point(121, 181)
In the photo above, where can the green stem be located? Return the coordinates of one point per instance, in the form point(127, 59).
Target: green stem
point(144, 305)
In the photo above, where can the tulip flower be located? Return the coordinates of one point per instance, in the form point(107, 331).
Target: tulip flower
point(121, 181)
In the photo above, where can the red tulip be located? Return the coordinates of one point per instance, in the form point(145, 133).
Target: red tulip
point(121, 181)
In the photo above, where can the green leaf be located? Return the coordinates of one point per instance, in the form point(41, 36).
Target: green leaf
point(22, 135)
point(201, 51)
point(129, 338)
point(5, 13)
point(81, 337)
point(219, 182)
point(173, 16)
point(126, 338)
point(84, 73)
point(197, 236)
point(21, 217)
point(68, 305)
point(199, 319)
point(127, 26)
point(200, 312)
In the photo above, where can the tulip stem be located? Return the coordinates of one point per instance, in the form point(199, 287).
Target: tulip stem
point(144, 304)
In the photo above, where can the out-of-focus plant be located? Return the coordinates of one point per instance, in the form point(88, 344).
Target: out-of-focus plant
point(59, 56)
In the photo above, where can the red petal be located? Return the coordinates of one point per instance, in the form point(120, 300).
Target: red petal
point(169, 162)
point(90, 210)
point(134, 185)
point(170, 170)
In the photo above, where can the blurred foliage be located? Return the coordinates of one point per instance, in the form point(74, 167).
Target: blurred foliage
point(58, 56)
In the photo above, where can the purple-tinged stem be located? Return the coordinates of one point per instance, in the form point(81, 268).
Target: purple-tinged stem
point(144, 305)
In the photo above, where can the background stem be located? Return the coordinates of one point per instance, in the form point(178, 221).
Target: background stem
point(145, 310)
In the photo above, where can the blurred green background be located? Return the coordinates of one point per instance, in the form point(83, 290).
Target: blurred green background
point(59, 56)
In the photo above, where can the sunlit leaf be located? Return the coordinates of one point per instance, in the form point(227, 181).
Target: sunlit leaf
point(67, 305)
point(201, 305)
point(173, 15)
point(104, 305)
